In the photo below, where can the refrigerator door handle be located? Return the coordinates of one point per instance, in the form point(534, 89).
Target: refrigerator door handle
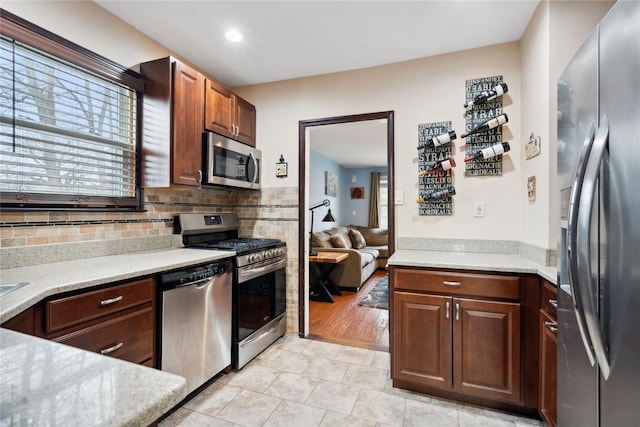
point(583, 258)
point(576, 191)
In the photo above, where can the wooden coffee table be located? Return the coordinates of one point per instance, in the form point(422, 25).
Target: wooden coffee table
point(320, 266)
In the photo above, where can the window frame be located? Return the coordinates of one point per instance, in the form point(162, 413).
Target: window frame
point(30, 34)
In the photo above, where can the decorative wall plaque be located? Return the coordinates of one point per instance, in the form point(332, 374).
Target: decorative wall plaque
point(477, 115)
point(430, 182)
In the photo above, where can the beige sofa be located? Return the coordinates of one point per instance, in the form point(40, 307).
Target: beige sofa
point(351, 273)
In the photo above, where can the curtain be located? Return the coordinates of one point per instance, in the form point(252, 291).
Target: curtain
point(374, 201)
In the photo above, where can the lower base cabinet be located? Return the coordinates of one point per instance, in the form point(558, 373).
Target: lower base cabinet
point(466, 345)
point(548, 327)
point(117, 320)
point(460, 335)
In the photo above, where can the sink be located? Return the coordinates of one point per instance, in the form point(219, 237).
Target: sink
point(5, 288)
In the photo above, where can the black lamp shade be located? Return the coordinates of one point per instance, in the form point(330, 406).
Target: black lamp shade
point(328, 217)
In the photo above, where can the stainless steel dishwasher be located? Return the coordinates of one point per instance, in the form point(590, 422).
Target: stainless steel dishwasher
point(196, 321)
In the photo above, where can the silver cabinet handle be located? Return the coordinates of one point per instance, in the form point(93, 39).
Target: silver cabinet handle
point(457, 311)
point(233, 129)
point(583, 245)
point(237, 130)
point(112, 348)
point(447, 283)
point(199, 176)
point(552, 327)
point(572, 245)
point(447, 306)
point(111, 300)
point(554, 303)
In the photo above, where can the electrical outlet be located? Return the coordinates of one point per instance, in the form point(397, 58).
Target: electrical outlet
point(478, 209)
point(353, 213)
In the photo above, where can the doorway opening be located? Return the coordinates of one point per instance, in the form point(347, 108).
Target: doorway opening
point(338, 312)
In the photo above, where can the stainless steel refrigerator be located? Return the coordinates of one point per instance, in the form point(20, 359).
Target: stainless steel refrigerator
point(599, 248)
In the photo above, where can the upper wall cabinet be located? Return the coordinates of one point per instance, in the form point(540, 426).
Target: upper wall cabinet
point(228, 114)
point(173, 122)
point(179, 104)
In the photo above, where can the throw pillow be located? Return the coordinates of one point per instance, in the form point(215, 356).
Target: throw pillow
point(357, 239)
point(337, 241)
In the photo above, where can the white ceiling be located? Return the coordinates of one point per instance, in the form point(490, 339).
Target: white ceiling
point(291, 39)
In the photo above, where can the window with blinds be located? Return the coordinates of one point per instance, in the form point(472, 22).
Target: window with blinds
point(383, 214)
point(68, 137)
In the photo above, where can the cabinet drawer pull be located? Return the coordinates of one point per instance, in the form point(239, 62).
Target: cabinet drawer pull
point(551, 326)
point(447, 283)
point(554, 303)
point(447, 308)
point(457, 311)
point(111, 300)
point(112, 348)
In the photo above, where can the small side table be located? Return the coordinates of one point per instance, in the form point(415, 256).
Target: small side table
point(320, 266)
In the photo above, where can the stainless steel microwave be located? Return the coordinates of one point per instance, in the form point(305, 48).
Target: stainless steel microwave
point(230, 163)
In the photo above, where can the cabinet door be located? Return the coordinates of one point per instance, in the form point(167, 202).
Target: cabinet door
point(219, 109)
point(188, 116)
point(422, 339)
point(245, 121)
point(548, 369)
point(487, 349)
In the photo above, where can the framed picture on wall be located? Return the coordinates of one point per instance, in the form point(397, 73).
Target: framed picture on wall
point(357, 192)
point(330, 184)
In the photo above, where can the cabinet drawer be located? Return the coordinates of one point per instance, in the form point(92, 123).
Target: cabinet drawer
point(457, 283)
point(64, 312)
point(549, 298)
point(128, 337)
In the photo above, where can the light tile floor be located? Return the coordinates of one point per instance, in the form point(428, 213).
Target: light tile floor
point(299, 382)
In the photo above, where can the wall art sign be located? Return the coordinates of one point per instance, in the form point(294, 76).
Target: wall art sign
point(357, 192)
point(532, 148)
point(476, 116)
point(330, 184)
point(433, 181)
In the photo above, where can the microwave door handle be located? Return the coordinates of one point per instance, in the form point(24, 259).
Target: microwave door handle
point(255, 168)
point(576, 191)
point(585, 214)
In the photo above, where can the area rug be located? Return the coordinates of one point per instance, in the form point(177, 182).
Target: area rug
point(378, 296)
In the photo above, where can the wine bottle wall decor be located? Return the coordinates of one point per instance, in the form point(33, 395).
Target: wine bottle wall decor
point(435, 177)
point(478, 113)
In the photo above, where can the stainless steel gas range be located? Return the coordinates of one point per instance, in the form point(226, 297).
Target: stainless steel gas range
point(259, 280)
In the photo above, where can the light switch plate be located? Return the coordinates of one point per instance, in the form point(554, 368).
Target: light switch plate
point(478, 209)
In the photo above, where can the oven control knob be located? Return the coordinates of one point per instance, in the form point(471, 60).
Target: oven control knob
point(267, 254)
point(258, 257)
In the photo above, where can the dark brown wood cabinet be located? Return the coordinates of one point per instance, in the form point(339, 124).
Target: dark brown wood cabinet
point(173, 122)
point(117, 321)
point(460, 333)
point(547, 403)
point(228, 114)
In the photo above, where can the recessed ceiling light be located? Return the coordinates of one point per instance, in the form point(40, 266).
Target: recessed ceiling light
point(233, 35)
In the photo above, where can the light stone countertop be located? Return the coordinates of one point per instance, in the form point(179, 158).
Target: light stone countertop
point(47, 383)
point(507, 263)
point(50, 279)
point(44, 383)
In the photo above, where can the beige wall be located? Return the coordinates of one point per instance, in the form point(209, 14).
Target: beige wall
point(555, 32)
point(419, 91)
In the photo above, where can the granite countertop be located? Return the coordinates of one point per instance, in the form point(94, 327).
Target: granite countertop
point(45, 383)
point(50, 279)
point(508, 263)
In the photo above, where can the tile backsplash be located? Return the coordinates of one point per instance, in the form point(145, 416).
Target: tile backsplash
point(29, 238)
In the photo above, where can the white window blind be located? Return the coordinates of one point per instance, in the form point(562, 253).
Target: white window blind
point(67, 136)
point(383, 214)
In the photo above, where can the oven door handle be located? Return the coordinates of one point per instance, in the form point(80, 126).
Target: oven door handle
point(248, 273)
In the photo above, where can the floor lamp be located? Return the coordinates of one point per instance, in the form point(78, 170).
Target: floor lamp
point(327, 218)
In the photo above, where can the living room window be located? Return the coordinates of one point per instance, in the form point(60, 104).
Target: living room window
point(383, 212)
point(68, 125)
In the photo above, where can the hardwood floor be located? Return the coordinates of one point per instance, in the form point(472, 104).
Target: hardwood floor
point(347, 323)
